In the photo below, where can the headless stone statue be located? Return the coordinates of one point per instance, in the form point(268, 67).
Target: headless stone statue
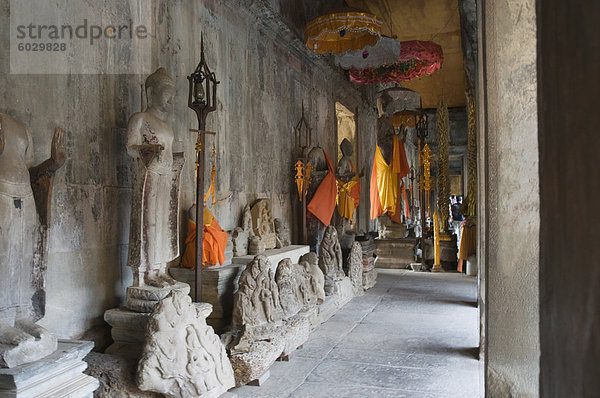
point(154, 238)
point(24, 195)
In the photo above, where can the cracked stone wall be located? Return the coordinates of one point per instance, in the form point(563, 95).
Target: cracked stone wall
point(265, 73)
point(509, 197)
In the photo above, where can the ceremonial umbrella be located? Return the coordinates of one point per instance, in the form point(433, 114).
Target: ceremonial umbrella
point(343, 31)
point(417, 58)
point(385, 51)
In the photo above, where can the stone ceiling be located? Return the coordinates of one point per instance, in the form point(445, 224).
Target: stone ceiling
point(430, 20)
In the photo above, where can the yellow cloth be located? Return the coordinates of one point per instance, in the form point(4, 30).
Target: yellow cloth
point(345, 200)
point(387, 187)
point(213, 243)
point(436, 239)
point(468, 241)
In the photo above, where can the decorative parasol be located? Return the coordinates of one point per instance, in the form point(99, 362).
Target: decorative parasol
point(417, 58)
point(339, 32)
point(385, 51)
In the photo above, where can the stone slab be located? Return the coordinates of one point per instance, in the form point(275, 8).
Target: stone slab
point(293, 252)
point(57, 375)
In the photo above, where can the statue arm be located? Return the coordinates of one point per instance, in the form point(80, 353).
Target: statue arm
point(136, 148)
point(42, 175)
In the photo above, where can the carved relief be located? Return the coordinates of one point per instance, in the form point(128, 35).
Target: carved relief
point(262, 222)
point(257, 299)
point(288, 280)
point(316, 279)
point(282, 232)
point(355, 268)
point(183, 357)
point(330, 254)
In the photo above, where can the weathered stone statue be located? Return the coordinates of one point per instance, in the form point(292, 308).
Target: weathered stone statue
point(262, 222)
point(348, 188)
point(289, 281)
point(257, 299)
point(282, 232)
point(384, 129)
point(153, 238)
point(183, 357)
point(310, 262)
point(25, 196)
point(330, 259)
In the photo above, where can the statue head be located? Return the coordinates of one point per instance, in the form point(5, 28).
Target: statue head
point(384, 103)
point(160, 89)
point(311, 258)
point(316, 157)
point(346, 147)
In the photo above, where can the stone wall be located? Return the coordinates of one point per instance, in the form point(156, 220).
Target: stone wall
point(509, 200)
point(265, 73)
point(569, 190)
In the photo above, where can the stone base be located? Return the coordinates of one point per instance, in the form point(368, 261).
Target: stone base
point(437, 268)
point(57, 375)
point(128, 331)
point(395, 253)
point(28, 351)
point(143, 298)
point(369, 279)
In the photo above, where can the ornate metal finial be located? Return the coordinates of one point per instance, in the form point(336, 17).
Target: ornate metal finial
point(303, 132)
point(202, 89)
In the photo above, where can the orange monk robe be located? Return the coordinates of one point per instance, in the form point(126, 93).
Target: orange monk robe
point(322, 204)
point(385, 180)
point(213, 243)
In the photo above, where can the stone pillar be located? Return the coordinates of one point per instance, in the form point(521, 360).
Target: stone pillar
point(508, 215)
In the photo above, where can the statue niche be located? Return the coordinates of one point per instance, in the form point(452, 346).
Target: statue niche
point(25, 196)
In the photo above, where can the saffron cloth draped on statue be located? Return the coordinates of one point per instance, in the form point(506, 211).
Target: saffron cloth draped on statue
point(213, 243)
point(323, 202)
point(385, 180)
point(348, 195)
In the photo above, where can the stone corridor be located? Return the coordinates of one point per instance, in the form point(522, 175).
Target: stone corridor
point(413, 335)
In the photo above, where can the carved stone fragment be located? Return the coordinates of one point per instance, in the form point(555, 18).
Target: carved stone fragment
point(256, 246)
point(183, 357)
point(310, 262)
point(288, 280)
point(262, 222)
point(257, 300)
point(355, 269)
point(282, 232)
point(330, 255)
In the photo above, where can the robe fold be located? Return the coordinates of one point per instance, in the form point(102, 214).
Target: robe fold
point(213, 243)
point(323, 202)
point(385, 180)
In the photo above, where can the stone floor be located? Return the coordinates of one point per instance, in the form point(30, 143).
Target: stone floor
point(413, 335)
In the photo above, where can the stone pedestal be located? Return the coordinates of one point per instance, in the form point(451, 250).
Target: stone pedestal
point(395, 253)
point(57, 375)
point(128, 331)
point(144, 298)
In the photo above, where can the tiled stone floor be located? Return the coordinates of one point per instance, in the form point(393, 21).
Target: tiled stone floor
point(412, 335)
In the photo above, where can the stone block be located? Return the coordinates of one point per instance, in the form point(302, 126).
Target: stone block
point(369, 279)
point(57, 375)
point(395, 253)
point(128, 331)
